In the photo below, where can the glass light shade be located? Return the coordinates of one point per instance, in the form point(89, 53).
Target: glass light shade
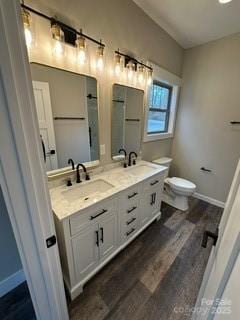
point(100, 62)
point(58, 40)
point(117, 64)
point(27, 28)
point(81, 49)
point(58, 48)
point(141, 74)
point(28, 37)
point(149, 76)
point(131, 69)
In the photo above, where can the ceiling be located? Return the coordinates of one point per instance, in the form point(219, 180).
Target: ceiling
point(194, 22)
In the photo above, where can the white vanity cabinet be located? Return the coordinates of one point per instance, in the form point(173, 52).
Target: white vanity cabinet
point(92, 236)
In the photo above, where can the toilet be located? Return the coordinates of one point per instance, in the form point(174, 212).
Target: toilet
point(176, 190)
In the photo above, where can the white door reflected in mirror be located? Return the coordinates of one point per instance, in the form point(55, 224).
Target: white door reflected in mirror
point(67, 109)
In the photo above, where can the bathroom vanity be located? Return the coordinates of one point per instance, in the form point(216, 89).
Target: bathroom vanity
point(97, 219)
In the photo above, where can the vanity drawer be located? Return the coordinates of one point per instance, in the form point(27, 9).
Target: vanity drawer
point(131, 210)
point(131, 194)
point(129, 230)
point(153, 182)
point(90, 215)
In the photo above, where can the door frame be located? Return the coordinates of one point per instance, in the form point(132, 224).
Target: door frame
point(22, 173)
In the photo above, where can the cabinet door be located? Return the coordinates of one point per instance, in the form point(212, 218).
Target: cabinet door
point(151, 204)
point(108, 235)
point(86, 250)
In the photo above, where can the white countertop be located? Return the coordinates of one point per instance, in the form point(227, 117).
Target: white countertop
point(120, 178)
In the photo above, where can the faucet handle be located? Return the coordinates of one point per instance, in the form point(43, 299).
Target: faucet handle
point(87, 176)
point(134, 161)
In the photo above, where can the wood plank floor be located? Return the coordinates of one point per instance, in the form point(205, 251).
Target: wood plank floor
point(17, 304)
point(160, 270)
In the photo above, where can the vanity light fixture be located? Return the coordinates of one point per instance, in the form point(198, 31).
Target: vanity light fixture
point(27, 27)
point(100, 52)
point(63, 34)
point(117, 63)
point(133, 65)
point(81, 48)
point(58, 40)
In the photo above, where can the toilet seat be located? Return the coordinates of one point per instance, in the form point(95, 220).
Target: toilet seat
point(180, 184)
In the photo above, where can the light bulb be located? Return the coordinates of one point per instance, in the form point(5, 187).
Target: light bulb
point(81, 56)
point(27, 28)
point(58, 49)
point(140, 74)
point(28, 37)
point(131, 68)
point(81, 48)
point(58, 40)
point(100, 62)
point(118, 64)
point(149, 77)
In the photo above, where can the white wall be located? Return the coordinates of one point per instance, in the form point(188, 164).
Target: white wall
point(120, 24)
point(210, 99)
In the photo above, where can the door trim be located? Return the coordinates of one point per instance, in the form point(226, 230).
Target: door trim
point(22, 174)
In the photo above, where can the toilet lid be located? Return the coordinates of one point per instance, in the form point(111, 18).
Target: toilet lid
point(181, 184)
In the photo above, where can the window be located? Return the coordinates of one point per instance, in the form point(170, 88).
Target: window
point(159, 108)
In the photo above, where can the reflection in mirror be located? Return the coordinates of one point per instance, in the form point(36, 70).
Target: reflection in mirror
point(67, 110)
point(127, 116)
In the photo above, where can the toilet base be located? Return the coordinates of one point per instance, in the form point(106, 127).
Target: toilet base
point(177, 201)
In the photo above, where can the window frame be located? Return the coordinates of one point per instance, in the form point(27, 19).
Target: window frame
point(167, 78)
point(167, 111)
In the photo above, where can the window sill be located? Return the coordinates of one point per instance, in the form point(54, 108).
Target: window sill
point(158, 136)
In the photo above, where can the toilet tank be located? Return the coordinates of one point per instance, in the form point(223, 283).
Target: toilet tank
point(165, 161)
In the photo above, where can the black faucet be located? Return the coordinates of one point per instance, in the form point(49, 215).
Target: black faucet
point(70, 161)
point(125, 154)
point(78, 173)
point(130, 158)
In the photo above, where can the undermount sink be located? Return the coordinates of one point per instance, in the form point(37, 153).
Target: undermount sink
point(141, 170)
point(85, 191)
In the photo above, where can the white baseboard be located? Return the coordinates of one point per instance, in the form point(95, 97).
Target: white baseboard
point(11, 282)
point(209, 200)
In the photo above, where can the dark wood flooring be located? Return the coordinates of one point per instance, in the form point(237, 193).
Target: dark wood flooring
point(158, 272)
point(17, 304)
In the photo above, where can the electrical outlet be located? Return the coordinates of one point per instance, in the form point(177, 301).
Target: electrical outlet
point(102, 149)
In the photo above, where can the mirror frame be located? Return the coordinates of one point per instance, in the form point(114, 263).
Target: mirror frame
point(57, 173)
point(142, 122)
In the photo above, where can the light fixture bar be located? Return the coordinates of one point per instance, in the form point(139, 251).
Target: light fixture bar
point(133, 59)
point(63, 25)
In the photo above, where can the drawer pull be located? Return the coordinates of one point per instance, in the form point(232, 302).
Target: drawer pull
point(101, 229)
point(130, 221)
point(97, 241)
point(129, 232)
point(153, 183)
point(99, 214)
point(130, 210)
point(132, 195)
point(153, 198)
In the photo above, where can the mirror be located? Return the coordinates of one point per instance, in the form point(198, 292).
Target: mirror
point(67, 110)
point(127, 117)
